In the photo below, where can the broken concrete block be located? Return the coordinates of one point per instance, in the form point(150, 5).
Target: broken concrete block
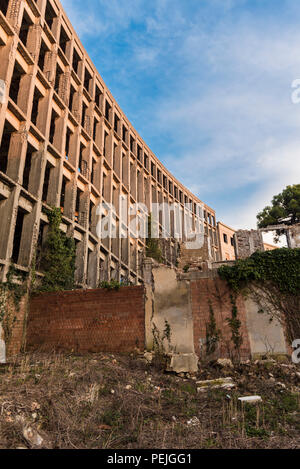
point(219, 383)
point(183, 363)
point(250, 399)
point(225, 362)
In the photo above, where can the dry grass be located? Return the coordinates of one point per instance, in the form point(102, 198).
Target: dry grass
point(113, 402)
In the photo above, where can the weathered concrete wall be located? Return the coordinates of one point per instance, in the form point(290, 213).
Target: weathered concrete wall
point(168, 303)
point(248, 242)
point(294, 234)
point(265, 336)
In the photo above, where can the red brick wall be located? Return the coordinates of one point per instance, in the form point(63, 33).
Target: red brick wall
point(16, 341)
point(204, 291)
point(88, 321)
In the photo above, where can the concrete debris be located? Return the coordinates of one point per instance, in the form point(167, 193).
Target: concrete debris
point(193, 422)
point(250, 399)
point(225, 362)
point(220, 383)
point(33, 437)
point(148, 357)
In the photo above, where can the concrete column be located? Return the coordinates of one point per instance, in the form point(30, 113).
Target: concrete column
point(16, 155)
point(34, 40)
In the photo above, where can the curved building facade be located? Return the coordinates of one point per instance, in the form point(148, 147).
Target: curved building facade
point(65, 142)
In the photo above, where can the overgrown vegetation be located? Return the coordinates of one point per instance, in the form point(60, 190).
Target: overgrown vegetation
point(213, 334)
point(285, 208)
point(105, 401)
point(235, 325)
point(152, 245)
point(273, 280)
point(111, 285)
point(11, 293)
point(57, 260)
point(160, 348)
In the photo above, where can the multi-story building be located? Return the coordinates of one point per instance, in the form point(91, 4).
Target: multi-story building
point(226, 240)
point(65, 142)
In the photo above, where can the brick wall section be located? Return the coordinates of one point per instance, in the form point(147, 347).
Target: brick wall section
point(88, 321)
point(16, 341)
point(215, 290)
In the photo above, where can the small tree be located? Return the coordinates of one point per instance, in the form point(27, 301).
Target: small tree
point(285, 208)
point(57, 256)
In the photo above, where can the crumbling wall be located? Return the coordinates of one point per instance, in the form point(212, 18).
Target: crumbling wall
point(294, 235)
point(213, 294)
point(266, 335)
point(247, 242)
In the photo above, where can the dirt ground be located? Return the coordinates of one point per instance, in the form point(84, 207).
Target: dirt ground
point(123, 402)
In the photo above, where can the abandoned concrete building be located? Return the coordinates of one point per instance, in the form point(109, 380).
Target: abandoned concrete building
point(65, 142)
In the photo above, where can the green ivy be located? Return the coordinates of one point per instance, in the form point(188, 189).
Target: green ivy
point(281, 267)
point(11, 293)
point(57, 256)
point(273, 279)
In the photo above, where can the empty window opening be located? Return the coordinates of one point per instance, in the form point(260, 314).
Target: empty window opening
point(87, 79)
point(24, 30)
point(132, 144)
point(124, 133)
point(139, 153)
point(18, 73)
point(105, 144)
point(71, 98)
point(225, 238)
point(63, 40)
point(42, 56)
point(152, 169)
point(18, 236)
point(98, 95)
point(159, 175)
point(91, 213)
point(77, 205)
point(107, 110)
point(95, 129)
point(35, 105)
point(93, 173)
point(63, 194)
point(5, 144)
point(165, 182)
point(50, 15)
point(3, 6)
point(116, 123)
point(27, 167)
point(68, 139)
point(59, 73)
point(145, 160)
point(232, 241)
point(54, 117)
point(114, 157)
point(46, 181)
point(83, 116)
point(76, 61)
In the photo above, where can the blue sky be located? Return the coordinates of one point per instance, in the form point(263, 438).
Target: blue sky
point(207, 84)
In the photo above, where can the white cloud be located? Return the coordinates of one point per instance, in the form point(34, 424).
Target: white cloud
point(223, 87)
